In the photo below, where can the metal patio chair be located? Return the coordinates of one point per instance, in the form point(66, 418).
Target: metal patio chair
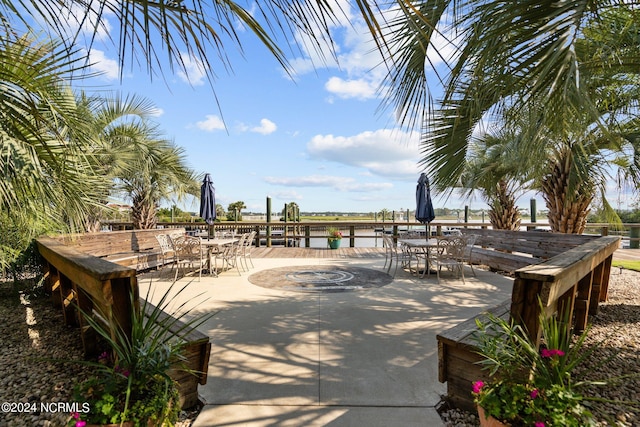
point(449, 253)
point(189, 254)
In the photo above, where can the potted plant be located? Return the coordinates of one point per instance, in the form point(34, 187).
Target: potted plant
point(131, 385)
point(333, 238)
point(530, 386)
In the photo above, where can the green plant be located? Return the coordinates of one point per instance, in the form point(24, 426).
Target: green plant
point(531, 386)
point(627, 264)
point(333, 234)
point(131, 382)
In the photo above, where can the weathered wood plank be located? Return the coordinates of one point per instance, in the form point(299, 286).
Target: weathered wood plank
point(192, 369)
point(501, 261)
point(98, 286)
point(581, 259)
point(92, 284)
point(566, 283)
point(117, 242)
point(77, 265)
point(540, 244)
point(282, 252)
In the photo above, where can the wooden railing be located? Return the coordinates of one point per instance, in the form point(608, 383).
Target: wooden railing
point(573, 282)
point(81, 281)
point(296, 232)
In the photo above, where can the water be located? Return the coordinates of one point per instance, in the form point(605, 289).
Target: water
point(320, 239)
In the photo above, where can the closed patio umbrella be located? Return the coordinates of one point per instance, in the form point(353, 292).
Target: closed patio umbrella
point(208, 200)
point(424, 206)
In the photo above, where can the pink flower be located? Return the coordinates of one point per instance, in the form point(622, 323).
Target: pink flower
point(539, 424)
point(103, 358)
point(477, 386)
point(123, 371)
point(545, 352)
point(534, 393)
point(75, 415)
point(81, 423)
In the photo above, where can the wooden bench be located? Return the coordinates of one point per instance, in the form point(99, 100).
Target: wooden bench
point(574, 280)
point(505, 250)
point(193, 369)
point(78, 280)
point(138, 249)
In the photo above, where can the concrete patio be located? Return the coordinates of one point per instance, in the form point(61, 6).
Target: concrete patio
point(360, 358)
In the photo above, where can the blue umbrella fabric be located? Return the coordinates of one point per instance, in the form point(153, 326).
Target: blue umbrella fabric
point(424, 206)
point(208, 200)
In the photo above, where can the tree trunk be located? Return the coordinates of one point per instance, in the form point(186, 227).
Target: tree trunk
point(568, 206)
point(144, 213)
point(503, 212)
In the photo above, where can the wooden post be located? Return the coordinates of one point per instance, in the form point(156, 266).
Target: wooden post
point(352, 237)
point(67, 298)
point(583, 302)
point(604, 287)
point(534, 210)
point(268, 232)
point(286, 229)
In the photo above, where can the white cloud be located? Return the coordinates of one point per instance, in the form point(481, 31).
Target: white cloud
point(211, 123)
point(72, 16)
point(287, 195)
point(338, 183)
point(108, 68)
point(358, 88)
point(266, 127)
point(360, 72)
point(383, 152)
point(195, 70)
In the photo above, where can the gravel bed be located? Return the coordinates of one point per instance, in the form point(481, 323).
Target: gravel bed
point(614, 339)
point(33, 341)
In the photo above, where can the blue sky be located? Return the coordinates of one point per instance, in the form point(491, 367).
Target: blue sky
point(317, 138)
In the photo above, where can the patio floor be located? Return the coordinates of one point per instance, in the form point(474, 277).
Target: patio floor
point(365, 357)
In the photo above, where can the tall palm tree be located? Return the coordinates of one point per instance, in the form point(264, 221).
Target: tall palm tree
point(498, 171)
point(234, 210)
point(155, 170)
point(106, 122)
point(542, 60)
point(46, 172)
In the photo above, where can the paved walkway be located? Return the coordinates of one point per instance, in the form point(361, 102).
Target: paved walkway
point(361, 358)
point(627, 254)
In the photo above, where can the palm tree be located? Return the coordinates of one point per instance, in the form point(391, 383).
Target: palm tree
point(199, 29)
point(48, 182)
point(539, 60)
point(220, 212)
point(498, 171)
point(505, 56)
point(155, 170)
point(234, 210)
point(47, 173)
point(113, 124)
